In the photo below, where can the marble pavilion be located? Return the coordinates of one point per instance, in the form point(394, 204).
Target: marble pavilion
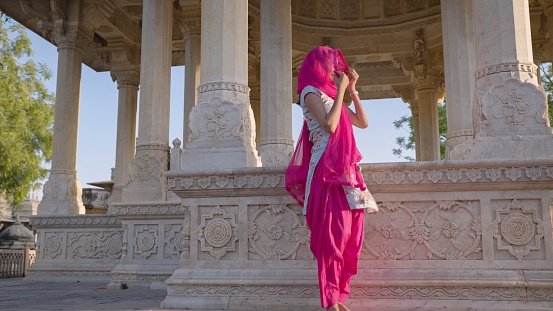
point(211, 221)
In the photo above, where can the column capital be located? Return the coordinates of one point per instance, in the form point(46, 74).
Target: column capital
point(191, 27)
point(427, 79)
point(71, 37)
point(547, 6)
point(126, 76)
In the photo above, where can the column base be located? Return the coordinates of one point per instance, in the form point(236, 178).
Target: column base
point(222, 129)
point(146, 181)
point(458, 144)
point(115, 197)
point(276, 153)
point(512, 147)
point(62, 194)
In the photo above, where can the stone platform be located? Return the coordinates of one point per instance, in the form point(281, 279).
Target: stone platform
point(16, 294)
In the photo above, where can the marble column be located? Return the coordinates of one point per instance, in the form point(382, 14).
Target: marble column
point(414, 105)
point(128, 79)
point(146, 179)
point(459, 63)
point(427, 86)
point(222, 124)
point(192, 65)
point(62, 191)
point(275, 144)
point(510, 107)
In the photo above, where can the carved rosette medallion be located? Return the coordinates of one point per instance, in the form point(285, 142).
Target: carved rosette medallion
point(276, 233)
point(515, 227)
point(53, 245)
point(218, 233)
point(146, 241)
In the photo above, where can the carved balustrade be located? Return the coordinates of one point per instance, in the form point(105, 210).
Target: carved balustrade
point(451, 230)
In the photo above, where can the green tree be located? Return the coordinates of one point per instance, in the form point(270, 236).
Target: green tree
point(408, 143)
point(26, 115)
point(406, 122)
point(546, 73)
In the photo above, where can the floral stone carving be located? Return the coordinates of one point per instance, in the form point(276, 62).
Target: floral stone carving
point(95, 245)
point(215, 119)
point(276, 232)
point(448, 230)
point(218, 233)
point(517, 103)
point(517, 229)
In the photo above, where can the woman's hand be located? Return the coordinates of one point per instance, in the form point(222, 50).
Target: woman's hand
point(353, 76)
point(341, 80)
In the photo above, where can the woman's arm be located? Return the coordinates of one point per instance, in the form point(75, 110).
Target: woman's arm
point(358, 118)
point(328, 121)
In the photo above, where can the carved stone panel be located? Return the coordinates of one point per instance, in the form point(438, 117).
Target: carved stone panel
point(218, 232)
point(54, 245)
point(513, 103)
point(277, 232)
point(177, 242)
point(440, 230)
point(146, 241)
point(95, 245)
point(518, 230)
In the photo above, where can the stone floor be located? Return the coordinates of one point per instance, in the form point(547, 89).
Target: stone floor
point(15, 294)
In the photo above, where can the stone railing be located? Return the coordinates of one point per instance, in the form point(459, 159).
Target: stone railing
point(155, 236)
point(15, 262)
point(472, 233)
point(76, 247)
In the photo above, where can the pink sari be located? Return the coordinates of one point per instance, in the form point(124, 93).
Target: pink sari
point(339, 162)
point(336, 230)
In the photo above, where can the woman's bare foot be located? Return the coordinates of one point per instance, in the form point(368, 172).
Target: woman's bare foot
point(341, 307)
point(334, 307)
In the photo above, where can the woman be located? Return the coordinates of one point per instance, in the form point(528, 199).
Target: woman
point(323, 175)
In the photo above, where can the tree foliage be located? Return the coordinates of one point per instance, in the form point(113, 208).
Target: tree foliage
point(546, 73)
point(406, 122)
point(408, 143)
point(26, 115)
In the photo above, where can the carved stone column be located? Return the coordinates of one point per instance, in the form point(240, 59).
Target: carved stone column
point(276, 144)
point(192, 61)
point(427, 85)
point(128, 79)
point(146, 180)
point(510, 107)
point(255, 103)
point(414, 105)
point(222, 124)
point(62, 192)
point(460, 63)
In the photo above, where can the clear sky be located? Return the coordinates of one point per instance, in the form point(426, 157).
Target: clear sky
point(98, 118)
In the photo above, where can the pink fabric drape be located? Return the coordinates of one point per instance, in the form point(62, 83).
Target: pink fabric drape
point(296, 174)
point(339, 161)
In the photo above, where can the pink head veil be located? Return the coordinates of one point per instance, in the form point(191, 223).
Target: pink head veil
point(341, 155)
